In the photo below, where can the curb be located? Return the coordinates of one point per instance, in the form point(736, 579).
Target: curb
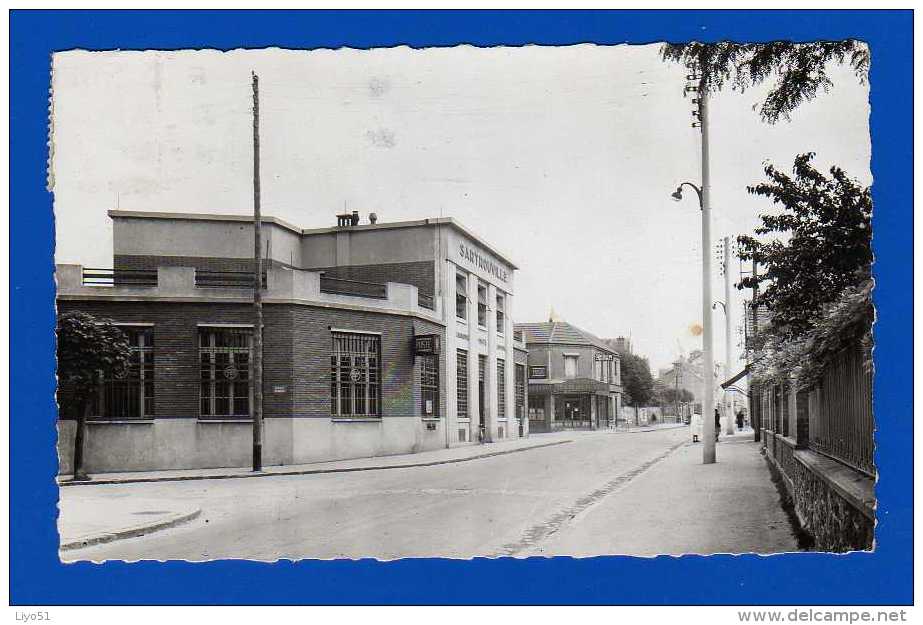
point(131, 532)
point(234, 476)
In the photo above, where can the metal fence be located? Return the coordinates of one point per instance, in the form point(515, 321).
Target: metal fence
point(840, 409)
point(119, 277)
point(341, 286)
point(226, 279)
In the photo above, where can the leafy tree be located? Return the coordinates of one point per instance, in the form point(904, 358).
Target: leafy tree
point(799, 70)
point(88, 348)
point(637, 381)
point(826, 223)
point(672, 395)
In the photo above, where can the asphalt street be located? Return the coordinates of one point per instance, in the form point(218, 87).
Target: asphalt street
point(506, 505)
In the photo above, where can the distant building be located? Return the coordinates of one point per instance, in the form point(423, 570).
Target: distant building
point(686, 373)
point(621, 344)
point(574, 377)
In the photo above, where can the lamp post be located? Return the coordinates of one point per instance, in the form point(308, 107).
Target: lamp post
point(708, 366)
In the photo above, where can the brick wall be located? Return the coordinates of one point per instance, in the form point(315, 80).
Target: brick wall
point(297, 344)
point(202, 263)
point(420, 274)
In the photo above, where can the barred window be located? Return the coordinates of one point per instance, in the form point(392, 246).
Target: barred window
point(355, 374)
point(520, 391)
point(429, 384)
point(225, 372)
point(461, 402)
point(130, 395)
point(461, 296)
point(501, 388)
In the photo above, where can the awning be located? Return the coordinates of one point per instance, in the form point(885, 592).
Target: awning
point(743, 372)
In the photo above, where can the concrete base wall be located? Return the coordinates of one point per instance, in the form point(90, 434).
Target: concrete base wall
point(164, 444)
point(834, 503)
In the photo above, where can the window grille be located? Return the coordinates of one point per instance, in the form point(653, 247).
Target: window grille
point(130, 395)
point(520, 391)
point(355, 374)
point(429, 384)
point(225, 372)
point(501, 388)
point(461, 362)
point(482, 367)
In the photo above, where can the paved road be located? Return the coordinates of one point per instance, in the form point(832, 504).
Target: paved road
point(506, 505)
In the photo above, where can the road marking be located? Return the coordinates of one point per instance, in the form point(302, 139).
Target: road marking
point(540, 532)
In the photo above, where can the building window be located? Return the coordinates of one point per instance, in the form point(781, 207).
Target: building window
point(501, 388)
point(461, 381)
point(570, 366)
point(131, 394)
point(355, 374)
point(520, 391)
point(501, 313)
point(598, 370)
point(429, 384)
point(224, 358)
point(536, 408)
point(538, 372)
point(482, 304)
point(461, 296)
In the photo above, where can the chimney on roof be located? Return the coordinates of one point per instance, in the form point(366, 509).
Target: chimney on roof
point(347, 220)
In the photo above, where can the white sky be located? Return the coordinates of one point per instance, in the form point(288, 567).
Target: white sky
point(562, 157)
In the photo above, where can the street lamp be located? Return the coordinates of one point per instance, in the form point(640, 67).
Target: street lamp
point(708, 401)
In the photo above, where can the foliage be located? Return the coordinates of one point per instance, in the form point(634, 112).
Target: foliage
point(827, 225)
point(637, 381)
point(672, 395)
point(844, 322)
point(799, 70)
point(87, 348)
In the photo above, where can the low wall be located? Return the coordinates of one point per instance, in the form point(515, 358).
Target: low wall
point(164, 444)
point(834, 503)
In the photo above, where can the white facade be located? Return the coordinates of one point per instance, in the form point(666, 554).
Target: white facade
point(463, 256)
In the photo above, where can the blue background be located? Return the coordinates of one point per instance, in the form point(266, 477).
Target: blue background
point(36, 575)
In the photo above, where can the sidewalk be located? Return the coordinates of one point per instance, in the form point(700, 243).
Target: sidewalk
point(402, 461)
point(80, 523)
point(681, 506)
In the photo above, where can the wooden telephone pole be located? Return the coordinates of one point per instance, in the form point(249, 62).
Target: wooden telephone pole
point(257, 287)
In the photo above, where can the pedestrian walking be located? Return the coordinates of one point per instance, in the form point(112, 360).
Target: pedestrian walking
point(717, 423)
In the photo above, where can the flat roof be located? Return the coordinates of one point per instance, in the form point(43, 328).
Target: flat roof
point(431, 222)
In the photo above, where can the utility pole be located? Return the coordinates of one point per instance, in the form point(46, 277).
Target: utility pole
point(257, 288)
point(728, 358)
point(708, 364)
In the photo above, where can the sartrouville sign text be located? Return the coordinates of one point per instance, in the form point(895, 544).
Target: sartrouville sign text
point(484, 263)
